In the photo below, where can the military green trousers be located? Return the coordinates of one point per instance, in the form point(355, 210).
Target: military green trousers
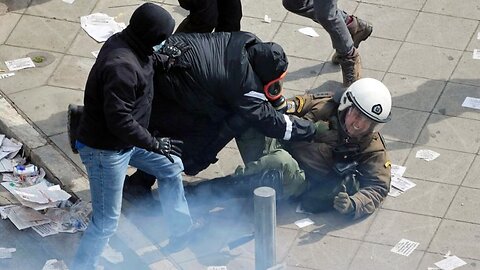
point(260, 153)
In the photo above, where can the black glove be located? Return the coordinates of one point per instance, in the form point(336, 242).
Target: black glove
point(174, 51)
point(166, 146)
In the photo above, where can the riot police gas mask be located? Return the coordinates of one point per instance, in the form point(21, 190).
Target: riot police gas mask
point(274, 93)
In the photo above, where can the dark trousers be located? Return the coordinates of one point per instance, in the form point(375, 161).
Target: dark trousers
point(208, 15)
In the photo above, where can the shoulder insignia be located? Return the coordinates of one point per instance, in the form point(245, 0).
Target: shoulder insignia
point(388, 164)
point(301, 103)
point(322, 95)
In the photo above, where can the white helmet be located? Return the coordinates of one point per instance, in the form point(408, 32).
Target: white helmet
point(371, 97)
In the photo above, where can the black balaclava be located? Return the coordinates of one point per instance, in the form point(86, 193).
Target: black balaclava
point(151, 24)
point(268, 61)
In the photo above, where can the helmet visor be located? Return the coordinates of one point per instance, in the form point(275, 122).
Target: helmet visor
point(274, 89)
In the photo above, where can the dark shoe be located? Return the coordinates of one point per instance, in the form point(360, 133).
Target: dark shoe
point(177, 243)
point(74, 113)
point(360, 30)
point(351, 68)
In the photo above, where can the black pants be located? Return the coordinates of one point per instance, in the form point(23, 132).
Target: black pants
point(208, 15)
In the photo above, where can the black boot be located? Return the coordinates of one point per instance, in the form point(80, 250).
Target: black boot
point(138, 187)
point(237, 186)
point(74, 113)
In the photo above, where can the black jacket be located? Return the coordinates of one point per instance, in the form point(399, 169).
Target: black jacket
point(221, 81)
point(118, 96)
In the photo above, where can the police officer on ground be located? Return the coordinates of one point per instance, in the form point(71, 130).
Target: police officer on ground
point(344, 167)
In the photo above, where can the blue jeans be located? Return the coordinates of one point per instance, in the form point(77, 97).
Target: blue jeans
point(332, 19)
point(106, 172)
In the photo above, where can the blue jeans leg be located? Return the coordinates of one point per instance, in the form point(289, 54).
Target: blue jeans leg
point(170, 187)
point(106, 172)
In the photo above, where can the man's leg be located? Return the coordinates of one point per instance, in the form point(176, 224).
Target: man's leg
point(203, 16)
point(334, 21)
point(106, 171)
point(174, 205)
point(229, 15)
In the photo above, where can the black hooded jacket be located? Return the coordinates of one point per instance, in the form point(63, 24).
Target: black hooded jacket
point(226, 76)
point(119, 89)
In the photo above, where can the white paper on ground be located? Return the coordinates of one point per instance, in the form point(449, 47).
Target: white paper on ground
point(450, 263)
point(20, 63)
point(11, 187)
point(398, 170)
point(46, 229)
point(427, 155)
point(6, 253)
point(6, 165)
point(402, 183)
point(41, 193)
point(68, 1)
point(476, 54)
point(304, 222)
point(6, 75)
point(24, 217)
point(300, 210)
point(100, 26)
point(308, 31)
point(394, 192)
point(267, 19)
point(217, 268)
point(471, 102)
point(112, 255)
point(404, 247)
point(55, 264)
point(10, 148)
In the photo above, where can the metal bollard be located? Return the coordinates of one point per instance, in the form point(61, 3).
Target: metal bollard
point(265, 225)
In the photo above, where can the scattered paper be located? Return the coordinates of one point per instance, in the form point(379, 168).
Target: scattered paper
point(267, 19)
point(433, 268)
point(68, 1)
point(450, 263)
point(10, 148)
point(398, 170)
point(100, 26)
point(112, 255)
point(427, 155)
point(300, 210)
point(404, 247)
point(217, 268)
point(5, 210)
point(6, 165)
point(6, 75)
point(6, 253)
point(476, 54)
point(18, 64)
point(470, 102)
point(304, 222)
point(24, 217)
point(12, 186)
point(95, 53)
point(402, 183)
point(55, 264)
point(308, 31)
point(394, 192)
point(46, 229)
point(41, 193)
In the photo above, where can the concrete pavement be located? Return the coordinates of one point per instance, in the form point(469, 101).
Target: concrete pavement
point(421, 49)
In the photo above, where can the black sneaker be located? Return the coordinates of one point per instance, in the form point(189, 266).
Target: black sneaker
point(74, 113)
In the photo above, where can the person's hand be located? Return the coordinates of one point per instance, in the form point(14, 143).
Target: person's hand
point(174, 51)
point(342, 203)
point(167, 147)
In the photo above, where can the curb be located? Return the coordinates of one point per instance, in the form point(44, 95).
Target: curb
point(43, 153)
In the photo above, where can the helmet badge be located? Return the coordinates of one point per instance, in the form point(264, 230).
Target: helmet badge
point(377, 109)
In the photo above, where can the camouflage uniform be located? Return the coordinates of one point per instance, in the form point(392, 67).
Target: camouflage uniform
point(308, 167)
